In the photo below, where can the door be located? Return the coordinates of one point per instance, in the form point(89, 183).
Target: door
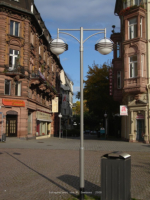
point(140, 129)
point(11, 125)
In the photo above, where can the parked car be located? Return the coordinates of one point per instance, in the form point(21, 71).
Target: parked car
point(93, 132)
point(87, 132)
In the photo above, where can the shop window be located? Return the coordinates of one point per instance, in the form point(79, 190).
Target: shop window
point(13, 58)
point(14, 28)
point(118, 79)
point(132, 28)
point(7, 87)
point(17, 88)
point(133, 66)
point(118, 50)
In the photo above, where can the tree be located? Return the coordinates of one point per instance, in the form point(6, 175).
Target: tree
point(96, 90)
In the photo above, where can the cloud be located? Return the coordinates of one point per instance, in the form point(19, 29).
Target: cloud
point(64, 59)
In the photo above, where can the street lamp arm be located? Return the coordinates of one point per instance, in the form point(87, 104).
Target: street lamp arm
point(70, 35)
point(92, 35)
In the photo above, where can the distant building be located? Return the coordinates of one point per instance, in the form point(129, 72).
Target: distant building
point(131, 68)
point(67, 100)
point(29, 72)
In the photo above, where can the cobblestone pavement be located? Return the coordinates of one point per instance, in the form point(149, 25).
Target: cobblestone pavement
point(48, 169)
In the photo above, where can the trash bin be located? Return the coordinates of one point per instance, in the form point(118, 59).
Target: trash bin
point(3, 137)
point(116, 176)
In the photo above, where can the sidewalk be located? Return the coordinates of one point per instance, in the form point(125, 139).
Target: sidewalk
point(49, 169)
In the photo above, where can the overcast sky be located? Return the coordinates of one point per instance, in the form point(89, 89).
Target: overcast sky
point(73, 14)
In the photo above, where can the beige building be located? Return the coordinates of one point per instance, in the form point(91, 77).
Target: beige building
point(131, 68)
point(66, 90)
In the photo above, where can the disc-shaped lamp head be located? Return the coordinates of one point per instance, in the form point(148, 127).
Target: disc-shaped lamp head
point(104, 46)
point(58, 46)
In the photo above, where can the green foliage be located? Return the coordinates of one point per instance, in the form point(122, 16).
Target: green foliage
point(96, 91)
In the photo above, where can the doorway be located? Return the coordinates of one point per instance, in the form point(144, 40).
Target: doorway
point(140, 129)
point(11, 125)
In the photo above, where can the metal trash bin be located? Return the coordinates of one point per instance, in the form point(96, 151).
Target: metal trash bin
point(3, 137)
point(116, 176)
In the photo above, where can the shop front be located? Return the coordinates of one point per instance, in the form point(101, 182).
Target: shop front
point(43, 129)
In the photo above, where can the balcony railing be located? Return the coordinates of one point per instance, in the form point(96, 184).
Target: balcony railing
point(18, 69)
point(129, 3)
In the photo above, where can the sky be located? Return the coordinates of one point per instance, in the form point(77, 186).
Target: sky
point(73, 14)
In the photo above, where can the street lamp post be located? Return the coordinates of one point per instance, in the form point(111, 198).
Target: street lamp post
point(60, 116)
point(104, 46)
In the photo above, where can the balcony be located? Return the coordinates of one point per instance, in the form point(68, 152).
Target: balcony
point(135, 3)
point(130, 6)
point(15, 70)
point(135, 85)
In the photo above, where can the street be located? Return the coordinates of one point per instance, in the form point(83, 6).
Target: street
point(48, 169)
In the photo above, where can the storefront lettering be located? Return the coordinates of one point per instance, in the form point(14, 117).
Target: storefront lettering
point(11, 102)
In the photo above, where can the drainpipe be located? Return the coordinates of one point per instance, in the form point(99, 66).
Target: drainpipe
point(148, 61)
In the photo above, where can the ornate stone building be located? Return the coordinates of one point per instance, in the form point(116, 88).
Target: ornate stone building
point(131, 68)
point(29, 72)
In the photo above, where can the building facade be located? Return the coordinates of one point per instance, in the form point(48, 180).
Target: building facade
point(67, 100)
point(29, 73)
point(131, 69)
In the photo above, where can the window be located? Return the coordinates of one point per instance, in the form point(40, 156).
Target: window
point(32, 8)
point(142, 65)
point(39, 49)
point(118, 79)
point(132, 28)
point(133, 66)
point(16, 0)
point(14, 28)
point(7, 87)
point(13, 58)
point(141, 26)
point(118, 50)
point(17, 88)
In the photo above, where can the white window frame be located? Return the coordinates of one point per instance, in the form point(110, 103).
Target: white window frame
point(9, 87)
point(14, 56)
point(119, 77)
point(18, 88)
point(132, 26)
point(14, 26)
point(133, 68)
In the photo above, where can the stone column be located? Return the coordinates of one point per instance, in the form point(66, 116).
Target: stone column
point(146, 128)
point(131, 136)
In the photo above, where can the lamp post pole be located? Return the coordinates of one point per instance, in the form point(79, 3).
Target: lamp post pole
point(60, 116)
point(104, 47)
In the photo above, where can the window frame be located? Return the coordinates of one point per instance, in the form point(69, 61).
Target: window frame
point(14, 56)
point(18, 83)
point(133, 67)
point(14, 28)
point(119, 78)
point(9, 87)
point(132, 26)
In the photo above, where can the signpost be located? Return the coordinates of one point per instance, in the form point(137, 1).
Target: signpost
point(123, 111)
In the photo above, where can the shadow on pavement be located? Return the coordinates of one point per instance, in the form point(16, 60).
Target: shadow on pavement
point(53, 182)
point(74, 181)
